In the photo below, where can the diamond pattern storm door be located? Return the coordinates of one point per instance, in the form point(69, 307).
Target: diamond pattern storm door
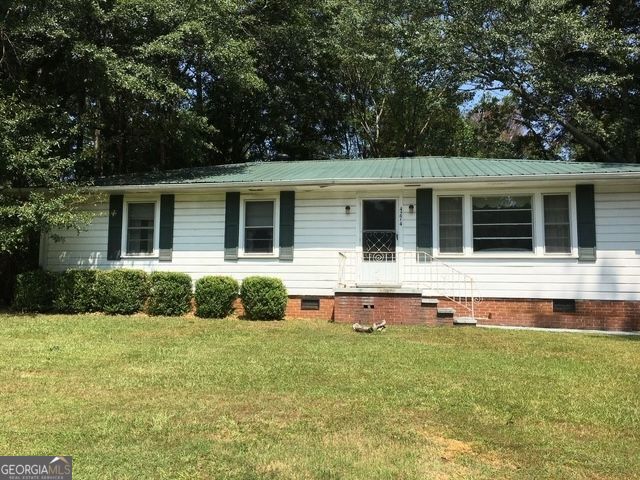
point(379, 264)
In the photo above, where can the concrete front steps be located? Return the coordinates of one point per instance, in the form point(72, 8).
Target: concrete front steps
point(445, 314)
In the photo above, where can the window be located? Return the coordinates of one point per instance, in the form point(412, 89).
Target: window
point(450, 218)
point(310, 303)
point(140, 228)
point(505, 224)
point(502, 224)
point(557, 237)
point(258, 226)
point(564, 306)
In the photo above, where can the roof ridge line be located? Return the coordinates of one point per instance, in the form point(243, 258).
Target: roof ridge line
point(440, 157)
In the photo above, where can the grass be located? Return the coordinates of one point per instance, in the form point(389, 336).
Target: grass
point(139, 397)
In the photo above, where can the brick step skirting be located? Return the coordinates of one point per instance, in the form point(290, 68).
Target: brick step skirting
point(408, 309)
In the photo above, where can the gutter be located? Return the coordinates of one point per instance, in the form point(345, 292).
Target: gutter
point(372, 182)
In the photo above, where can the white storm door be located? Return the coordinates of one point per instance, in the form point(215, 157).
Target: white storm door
point(379, 263)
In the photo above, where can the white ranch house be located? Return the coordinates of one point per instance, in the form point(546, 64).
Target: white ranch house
point(408, 240)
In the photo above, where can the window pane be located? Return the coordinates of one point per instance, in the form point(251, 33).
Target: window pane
point(502, 203)
point(258, 240)
point(556, 208)
point(141, 214)
point(258, 232)
point(140, 241)
point(502, 224)
point(450, 217)
point(259, 214)
point(450, 239)
point(140, 224)
point(502, 230)
point(557, 238)
point(501, 216)
point(502, 245)
point(379, 215)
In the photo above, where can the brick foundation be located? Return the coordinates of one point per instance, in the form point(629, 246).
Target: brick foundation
point(326, 311)
point(408, 309)
point(294, 308)
point(589, 314)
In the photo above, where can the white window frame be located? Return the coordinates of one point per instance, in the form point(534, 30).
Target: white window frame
point(537, 219)
point(534, 230)
point(125, 228)
point(464, 224)
point(276, 226)
point(573, 227)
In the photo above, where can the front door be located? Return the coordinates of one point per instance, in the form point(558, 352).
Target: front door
point(379, 264)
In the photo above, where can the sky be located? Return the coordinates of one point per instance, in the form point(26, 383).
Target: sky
point(478, 93)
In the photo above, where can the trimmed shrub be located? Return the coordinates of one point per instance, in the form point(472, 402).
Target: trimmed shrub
point(264, 298)
point(170, 293)
point(34, 291)
point(121, 291)
point(75, 291)
point(215, 296)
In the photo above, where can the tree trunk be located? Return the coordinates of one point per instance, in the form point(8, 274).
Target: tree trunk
point(98, 146)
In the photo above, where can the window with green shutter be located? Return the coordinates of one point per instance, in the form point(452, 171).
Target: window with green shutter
point(258, 226)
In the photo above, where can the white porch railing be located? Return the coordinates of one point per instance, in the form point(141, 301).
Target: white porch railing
point(411, 269)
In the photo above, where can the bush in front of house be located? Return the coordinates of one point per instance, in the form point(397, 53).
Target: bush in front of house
point(264, 298)
point(215, 296)
point(170, 293)
point(34, 291)
point(75, 291)
point(121, 291)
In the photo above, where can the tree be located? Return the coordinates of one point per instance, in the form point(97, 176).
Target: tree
point(37, 190)
point(497, 129)
point(104, 87)
point(400, 77)
point(101, 87)
point(93, 88)
point(573, 66)
point(294, 108)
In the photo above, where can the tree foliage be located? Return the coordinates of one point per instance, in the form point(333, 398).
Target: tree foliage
point(399, 77)
point(102, 87)
point(572, 66)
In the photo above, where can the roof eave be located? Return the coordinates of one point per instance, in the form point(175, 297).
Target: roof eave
point(382, 181)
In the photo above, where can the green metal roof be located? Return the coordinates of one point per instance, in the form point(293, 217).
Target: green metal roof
point(374, 170)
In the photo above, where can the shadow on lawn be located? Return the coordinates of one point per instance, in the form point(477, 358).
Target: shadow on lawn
point(4, 310)
point(625, 338)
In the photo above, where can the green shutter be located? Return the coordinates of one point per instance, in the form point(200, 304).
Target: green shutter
point(114, 235)
point(287, 218)
point(231, 225)
point(424, 220)
point(586, 214)
point(167, 205)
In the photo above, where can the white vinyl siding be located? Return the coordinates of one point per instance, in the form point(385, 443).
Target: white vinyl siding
point(323, 228)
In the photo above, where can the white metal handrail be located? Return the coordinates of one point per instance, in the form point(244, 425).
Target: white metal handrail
point(418, 270)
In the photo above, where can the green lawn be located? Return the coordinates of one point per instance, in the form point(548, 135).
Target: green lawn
point(139, 397)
